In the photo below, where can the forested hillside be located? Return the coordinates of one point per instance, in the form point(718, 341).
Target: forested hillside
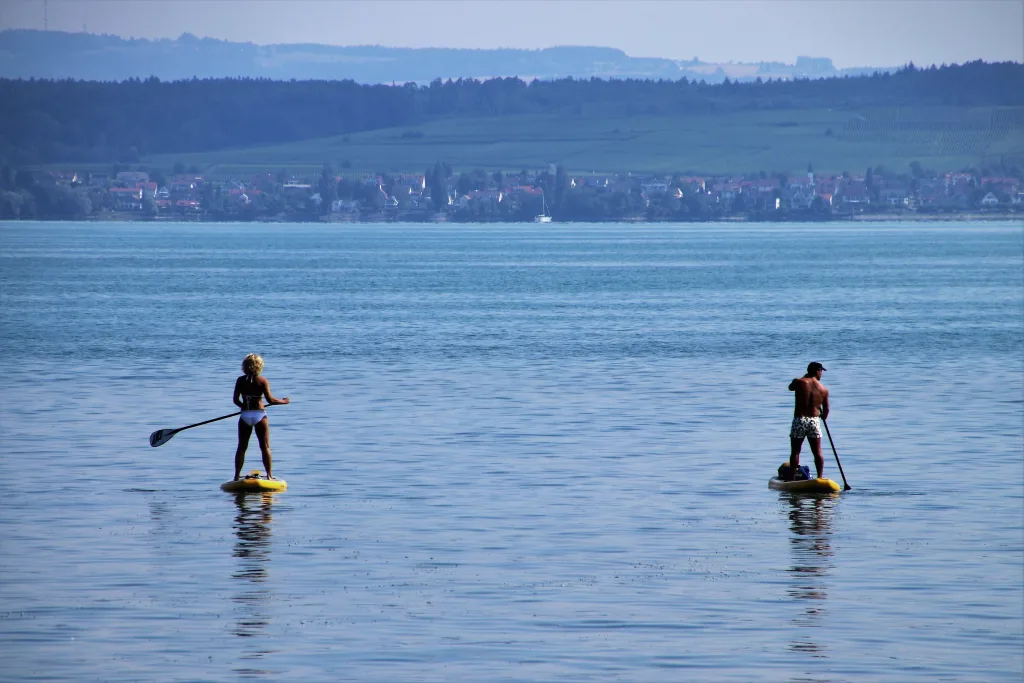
point(76, 121)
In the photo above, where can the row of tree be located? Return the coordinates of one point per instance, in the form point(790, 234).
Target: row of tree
point(24, 194)
point(44, 121)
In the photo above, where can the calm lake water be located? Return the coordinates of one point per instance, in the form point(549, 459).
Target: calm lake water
point(514, 453)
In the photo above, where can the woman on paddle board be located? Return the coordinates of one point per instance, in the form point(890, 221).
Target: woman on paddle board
point(250, 391)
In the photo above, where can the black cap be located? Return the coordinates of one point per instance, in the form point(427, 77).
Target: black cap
point(814, 367)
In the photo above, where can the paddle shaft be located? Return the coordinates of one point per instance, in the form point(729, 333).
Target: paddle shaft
point(162, 436)
point(206, 422)
point(845, 485)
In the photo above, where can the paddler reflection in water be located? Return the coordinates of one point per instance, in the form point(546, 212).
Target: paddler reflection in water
point(810, 394)
point(250, 390)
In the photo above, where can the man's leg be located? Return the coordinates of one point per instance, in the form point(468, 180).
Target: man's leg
point(794, 453)
point(819, 462)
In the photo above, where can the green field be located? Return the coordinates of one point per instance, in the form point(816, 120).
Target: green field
point(939, 138)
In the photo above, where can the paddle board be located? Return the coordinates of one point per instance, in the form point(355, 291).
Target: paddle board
point(805, 485)
point(254, 483)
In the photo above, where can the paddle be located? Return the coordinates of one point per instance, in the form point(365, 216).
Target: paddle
point(162, 436)
point(846, 487)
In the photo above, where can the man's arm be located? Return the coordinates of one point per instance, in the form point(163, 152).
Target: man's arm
point(824, 406)
point(792, 385)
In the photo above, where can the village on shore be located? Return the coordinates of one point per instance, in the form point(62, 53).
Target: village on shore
point(478, 196)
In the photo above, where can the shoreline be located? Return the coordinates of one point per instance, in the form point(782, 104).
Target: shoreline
point(938, 217)
point(857, 218)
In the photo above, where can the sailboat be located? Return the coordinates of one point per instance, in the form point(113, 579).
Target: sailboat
point(543, 216)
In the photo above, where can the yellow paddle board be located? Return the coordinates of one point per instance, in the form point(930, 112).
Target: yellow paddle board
point(254, 483)
point(805, 485)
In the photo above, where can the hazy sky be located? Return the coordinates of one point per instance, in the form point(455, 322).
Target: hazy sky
point(851, 32)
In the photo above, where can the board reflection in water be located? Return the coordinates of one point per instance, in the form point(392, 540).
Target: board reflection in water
point(810, 524)
point(252, 548)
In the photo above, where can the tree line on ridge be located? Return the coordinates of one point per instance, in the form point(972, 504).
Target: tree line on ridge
point(62, 121)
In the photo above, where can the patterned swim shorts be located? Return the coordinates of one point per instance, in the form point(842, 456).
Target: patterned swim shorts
point(805, 426)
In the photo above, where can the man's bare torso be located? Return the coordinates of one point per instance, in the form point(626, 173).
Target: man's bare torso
point(810, 394)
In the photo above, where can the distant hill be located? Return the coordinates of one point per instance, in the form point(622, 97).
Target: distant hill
point(86, 56)
point(947, 117)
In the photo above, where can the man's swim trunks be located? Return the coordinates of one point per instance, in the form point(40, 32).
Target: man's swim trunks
point(805, 426)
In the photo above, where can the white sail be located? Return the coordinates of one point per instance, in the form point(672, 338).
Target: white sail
point(543, 216)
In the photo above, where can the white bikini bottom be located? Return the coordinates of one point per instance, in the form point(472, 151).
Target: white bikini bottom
point(251, 417)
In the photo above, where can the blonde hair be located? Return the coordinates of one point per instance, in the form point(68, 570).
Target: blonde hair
point(252, 364)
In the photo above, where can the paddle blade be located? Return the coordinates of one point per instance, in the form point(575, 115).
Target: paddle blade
point(161, 436)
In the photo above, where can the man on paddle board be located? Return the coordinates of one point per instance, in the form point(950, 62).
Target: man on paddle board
point(250, 390)
point(810, 395)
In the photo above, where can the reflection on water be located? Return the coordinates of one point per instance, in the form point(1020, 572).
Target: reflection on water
point(810, 521)
point(252, 528)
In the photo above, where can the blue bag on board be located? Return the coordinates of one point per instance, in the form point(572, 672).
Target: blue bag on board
point(803, 473)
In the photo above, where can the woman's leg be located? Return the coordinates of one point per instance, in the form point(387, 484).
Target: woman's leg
point(263, 434)
point(244, 432)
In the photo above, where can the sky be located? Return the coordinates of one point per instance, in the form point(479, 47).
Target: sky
point(850, 32)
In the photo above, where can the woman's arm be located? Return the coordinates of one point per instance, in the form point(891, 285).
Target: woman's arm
point(270, 397)
point(236, 396)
